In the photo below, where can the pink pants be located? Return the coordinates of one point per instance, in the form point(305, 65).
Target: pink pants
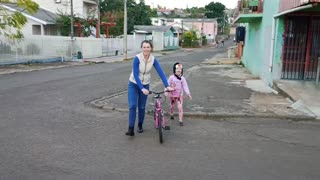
point(179, 102)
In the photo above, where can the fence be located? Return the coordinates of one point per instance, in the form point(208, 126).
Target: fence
point(47, 48)
point(58, 48)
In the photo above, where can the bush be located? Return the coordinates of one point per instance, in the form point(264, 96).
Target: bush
point(190, 39)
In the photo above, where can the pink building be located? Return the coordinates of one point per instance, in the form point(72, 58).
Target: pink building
point(207, 27)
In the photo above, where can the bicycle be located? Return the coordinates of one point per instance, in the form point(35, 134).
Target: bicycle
point(158, 114)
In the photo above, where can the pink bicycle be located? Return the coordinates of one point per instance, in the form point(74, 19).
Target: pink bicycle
point(158, 114)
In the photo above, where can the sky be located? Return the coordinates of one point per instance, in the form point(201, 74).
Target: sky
point(170, 4)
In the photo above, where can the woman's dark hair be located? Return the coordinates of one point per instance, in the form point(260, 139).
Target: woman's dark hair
point(147, 41)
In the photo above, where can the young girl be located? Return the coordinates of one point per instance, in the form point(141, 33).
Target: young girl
point(179, 84)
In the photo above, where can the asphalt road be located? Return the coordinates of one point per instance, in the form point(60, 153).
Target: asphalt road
point(47, 131)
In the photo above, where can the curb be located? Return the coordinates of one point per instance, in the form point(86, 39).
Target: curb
point(282, 92)
point(204, 115)
point(41, 68)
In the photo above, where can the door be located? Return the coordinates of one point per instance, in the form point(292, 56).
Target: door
point(301, 47)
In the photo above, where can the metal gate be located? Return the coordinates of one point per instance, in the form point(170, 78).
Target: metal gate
point(301, 47)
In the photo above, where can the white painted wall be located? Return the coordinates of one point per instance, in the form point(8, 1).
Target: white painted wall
point(79, 7)
point(45, 47)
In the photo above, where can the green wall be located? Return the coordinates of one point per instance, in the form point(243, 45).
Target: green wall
point(277, 58)
point(258, 43)
point(252, 52)
point(173, 46)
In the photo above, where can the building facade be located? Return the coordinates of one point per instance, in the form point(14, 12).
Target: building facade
point(282, 39)
point(81, 8)
point(207, 27)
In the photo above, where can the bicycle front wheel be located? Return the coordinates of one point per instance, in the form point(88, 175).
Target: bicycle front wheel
point(160, 127)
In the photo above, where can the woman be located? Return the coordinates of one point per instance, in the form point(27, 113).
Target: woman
point(138, 86)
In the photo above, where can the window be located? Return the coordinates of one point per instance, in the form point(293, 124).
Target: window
point(36, 30)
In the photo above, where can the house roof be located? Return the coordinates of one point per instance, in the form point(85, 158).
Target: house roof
point(178, 29)
point(199, 19)
point(165, 10)
point(248, 18)
point(42, 16)
point(149, 29)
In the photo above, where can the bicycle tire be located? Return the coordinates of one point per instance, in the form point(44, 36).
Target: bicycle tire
point(160, 127)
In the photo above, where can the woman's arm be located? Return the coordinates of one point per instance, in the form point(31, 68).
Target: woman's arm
point(135, 66)
point(160, 72)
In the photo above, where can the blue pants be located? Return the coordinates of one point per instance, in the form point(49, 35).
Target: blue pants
point(136, 99)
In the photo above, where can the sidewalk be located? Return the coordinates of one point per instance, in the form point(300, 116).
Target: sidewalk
point(130, 55)
point(9, 69)
point(305, 95)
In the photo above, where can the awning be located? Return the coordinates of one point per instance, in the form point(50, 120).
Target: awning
point(247, 18)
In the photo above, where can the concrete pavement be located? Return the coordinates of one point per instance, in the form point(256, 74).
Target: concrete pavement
point(301, 98)
point(220, 88)
point(304, 95)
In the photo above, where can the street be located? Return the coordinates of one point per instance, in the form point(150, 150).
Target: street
point(48, 130)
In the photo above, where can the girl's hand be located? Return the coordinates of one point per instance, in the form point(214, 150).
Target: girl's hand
point(190, 97)
point(145, 91)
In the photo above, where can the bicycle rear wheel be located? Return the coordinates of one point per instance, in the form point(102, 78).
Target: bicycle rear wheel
point(160, 127)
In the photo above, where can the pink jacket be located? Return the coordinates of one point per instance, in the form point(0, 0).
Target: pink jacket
point(179, 86)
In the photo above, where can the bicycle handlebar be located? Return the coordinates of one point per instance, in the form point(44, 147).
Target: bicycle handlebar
point(158, 93)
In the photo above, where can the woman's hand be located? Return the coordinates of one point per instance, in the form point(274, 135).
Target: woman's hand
point(169, 88)
point(145, 91)
point(190, 97)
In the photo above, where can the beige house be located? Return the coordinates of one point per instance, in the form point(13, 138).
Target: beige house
point(81, 8)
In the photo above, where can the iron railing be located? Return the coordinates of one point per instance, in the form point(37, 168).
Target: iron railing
point(249, 7)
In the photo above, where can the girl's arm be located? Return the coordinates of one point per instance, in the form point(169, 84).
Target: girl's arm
point(160, 72)
point(185, 86)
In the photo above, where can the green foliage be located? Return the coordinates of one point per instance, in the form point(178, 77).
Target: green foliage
point(195, 12)
point(216, 10)
point(64, 24)
point(138, 14)
point(12, 22)
point(189, 39)
point(204, 40)
point(115, 30)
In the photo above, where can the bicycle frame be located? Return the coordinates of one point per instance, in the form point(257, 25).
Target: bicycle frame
point(158, 115)
point(158, 110)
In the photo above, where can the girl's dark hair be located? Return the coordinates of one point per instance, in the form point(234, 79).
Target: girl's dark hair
point(147, 41)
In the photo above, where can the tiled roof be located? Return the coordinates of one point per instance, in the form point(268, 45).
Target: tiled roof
point(41, 14)
point(149, 29)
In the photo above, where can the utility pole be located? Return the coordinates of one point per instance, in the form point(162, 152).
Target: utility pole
point(202, 30)
point(125, 29)
point(98, 23)
point(72, 34)
point(182, 33)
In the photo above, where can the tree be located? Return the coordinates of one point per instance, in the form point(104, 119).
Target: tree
point(138, 14)
point(190, 39)
point(142, 14)
point(214, 10)
point(64, 22)
point(11, 23)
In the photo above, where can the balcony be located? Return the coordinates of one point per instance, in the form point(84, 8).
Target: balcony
point(248, 11)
